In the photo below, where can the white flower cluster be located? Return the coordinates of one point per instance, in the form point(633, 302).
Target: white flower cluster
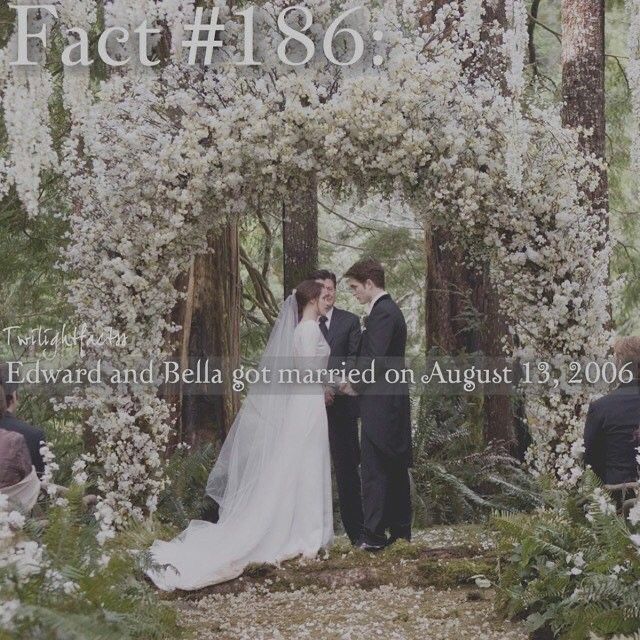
point(576, 563)
point(169, 154)
point(7, 614)
point(602, 502)
point(26, 90)
point(634, 514)
point(23, 557)
point(50, 468)
point(24, 561)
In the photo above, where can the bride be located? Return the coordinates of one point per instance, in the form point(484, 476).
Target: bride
point(272, 478)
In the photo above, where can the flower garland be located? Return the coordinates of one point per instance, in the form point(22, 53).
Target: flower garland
point(170, 153)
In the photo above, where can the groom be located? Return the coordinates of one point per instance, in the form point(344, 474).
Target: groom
point(384, 411)
point(341, 329)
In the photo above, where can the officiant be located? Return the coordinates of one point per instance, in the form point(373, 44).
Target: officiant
point(341, 330)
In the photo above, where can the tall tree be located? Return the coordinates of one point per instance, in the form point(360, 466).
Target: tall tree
point(300, 233)
point(210, 317)
point(462, 307)
point(498, 409)
point(583, 30)
point(447, 287)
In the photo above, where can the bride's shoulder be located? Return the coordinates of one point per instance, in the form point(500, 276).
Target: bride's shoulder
point(307, 327)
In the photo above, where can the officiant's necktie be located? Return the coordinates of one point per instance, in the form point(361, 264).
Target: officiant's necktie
point(323, 327)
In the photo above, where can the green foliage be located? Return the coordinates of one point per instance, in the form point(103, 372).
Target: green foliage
point(572, 567)
point(457, 478)
point(77, 594)
point(184, 498)
point(451, 573)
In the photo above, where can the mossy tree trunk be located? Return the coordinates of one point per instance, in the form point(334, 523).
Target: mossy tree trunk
point(583, 65)
point(210, 317)
point(462, 307)
point(300, 233)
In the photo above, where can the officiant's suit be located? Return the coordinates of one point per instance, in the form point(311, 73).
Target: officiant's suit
point(386, 425)
point(342, 332)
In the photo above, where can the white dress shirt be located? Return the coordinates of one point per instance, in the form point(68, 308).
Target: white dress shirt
point(328, 317)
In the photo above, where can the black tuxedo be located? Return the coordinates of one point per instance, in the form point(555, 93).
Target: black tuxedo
point(610, 434)
point(386, 425)
point(343, 336)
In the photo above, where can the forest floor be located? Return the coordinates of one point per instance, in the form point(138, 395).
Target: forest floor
point(425, 590)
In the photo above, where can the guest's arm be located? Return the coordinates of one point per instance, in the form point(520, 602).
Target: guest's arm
point(593, 441)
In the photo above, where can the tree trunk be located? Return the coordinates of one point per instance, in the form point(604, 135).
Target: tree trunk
point(210, 317)
point(447, 290)
point(300, 233)
point(450, 301)
point(583, 69)
point(583, 80)
point(180, 315)
point(462, 314)
point(462, 308)
point(499, 417)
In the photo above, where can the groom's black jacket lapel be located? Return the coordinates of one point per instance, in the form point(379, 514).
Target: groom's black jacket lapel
point(343, 336)
point(386, 296)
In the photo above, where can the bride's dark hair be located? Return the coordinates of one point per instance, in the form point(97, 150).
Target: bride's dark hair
point(306, 291)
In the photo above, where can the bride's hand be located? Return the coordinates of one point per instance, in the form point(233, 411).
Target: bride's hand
point(347, 389)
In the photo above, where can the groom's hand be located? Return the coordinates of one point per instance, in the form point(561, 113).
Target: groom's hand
point(329, 395)
point(347, 389)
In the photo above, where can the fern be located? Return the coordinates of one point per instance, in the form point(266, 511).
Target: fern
point(456, 477)
point(184, 498)
point(541, 581)
point(107, 600)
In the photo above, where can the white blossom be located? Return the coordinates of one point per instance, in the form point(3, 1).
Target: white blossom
point(171, 152)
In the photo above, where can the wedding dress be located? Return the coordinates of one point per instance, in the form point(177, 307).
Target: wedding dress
point(272, 478)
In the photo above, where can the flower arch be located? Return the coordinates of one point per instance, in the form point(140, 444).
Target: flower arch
point(166, 155)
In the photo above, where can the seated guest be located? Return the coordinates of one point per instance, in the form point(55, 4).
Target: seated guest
point(33, 436)
point(15, 461)
point(610, 433)
point(18, 479)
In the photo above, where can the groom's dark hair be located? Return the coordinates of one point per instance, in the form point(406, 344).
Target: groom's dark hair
point(367, 269)
point(323, 274)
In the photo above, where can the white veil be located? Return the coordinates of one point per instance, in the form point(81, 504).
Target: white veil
point(250, 444)
point(272, 479)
